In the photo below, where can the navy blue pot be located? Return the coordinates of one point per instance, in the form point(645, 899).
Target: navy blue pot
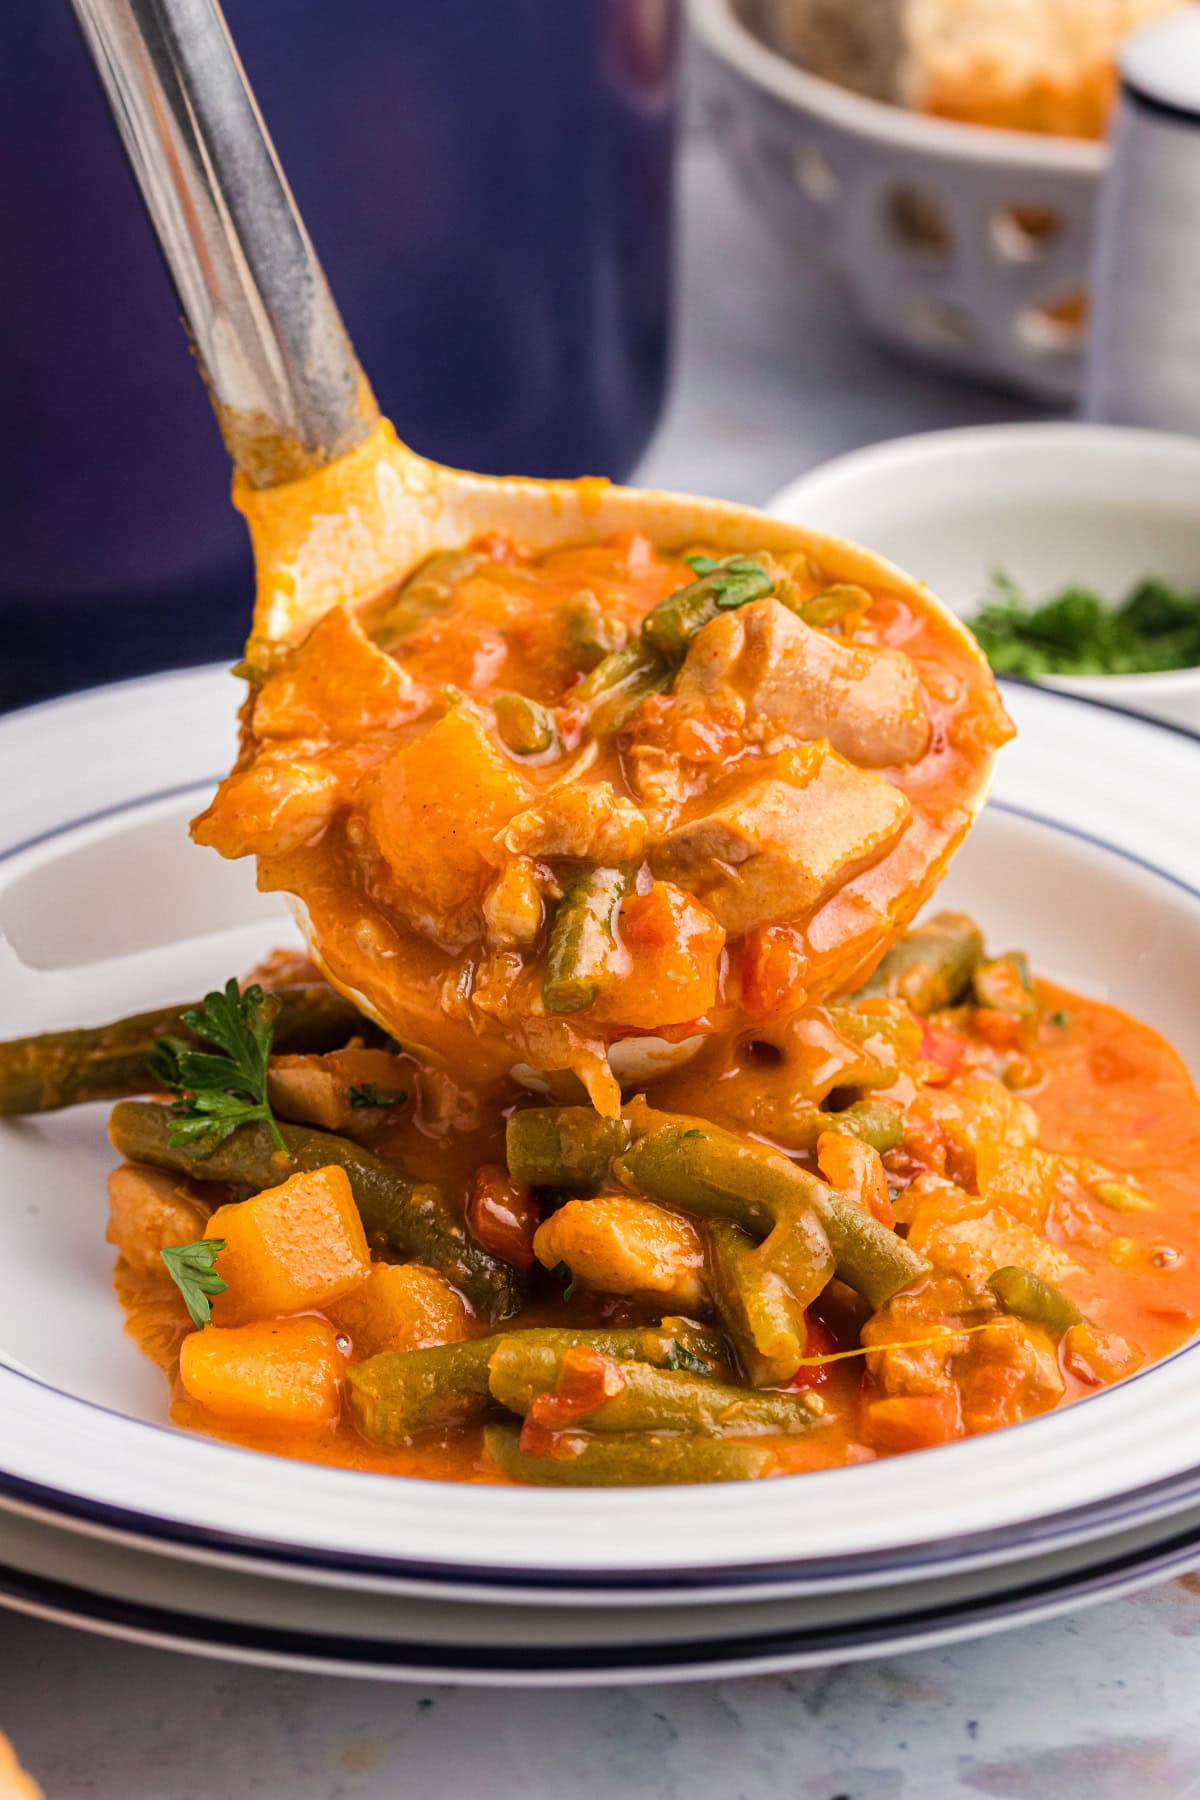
point(488, 186)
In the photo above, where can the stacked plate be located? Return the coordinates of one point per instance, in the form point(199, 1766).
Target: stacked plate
point(1088, 856)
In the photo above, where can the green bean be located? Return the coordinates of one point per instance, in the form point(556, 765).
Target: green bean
point(583, 939)
point(626, 1459)
point(414, 1219)
point(760, 1292)
point(1004, 984)
point(838, 605)
point(879, 1123)
point(425, 593)
point(525, 726)
point(721, 1176)
point(1022, 1292)
point(931, 966)
point(562, 1146)
point(106, 1062)
point(616, 687)
point(649, 1399)
point(591, 634)
point(400, 1392)
point(670, 626)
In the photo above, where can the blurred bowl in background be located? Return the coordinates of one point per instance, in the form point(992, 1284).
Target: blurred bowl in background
point(489, 189)
point(967, 245)
point(1050, 505)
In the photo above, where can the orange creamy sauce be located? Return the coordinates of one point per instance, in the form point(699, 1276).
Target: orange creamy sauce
point(391, 847)
point(1104, 1087)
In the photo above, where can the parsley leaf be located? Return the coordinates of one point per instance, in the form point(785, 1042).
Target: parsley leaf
point(563, 1271)
point(192, 1267)
point(683, 1358)
point(1076, 632)
point(370, 1095)
point(701, 565)
point(221, 1092)
point(695, 1132)
point(1060, 1017)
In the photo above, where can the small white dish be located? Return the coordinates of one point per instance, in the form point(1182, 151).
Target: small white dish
point(1093, 876)
point(1048, 504)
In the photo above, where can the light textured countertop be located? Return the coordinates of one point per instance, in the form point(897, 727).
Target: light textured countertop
point(1098, 1706)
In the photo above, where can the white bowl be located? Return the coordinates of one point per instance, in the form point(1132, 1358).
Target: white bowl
point(920, 219)
point(105, 905)
point(1048, 504)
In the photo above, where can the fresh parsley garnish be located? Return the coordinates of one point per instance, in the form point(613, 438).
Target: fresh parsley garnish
point(1076, 632)
point(1060, 1017)
point(219, 1092)
point(733, 582)
point(701, 565)
point(683, 1358)
point(370, 1095)
point(192, 1267)
point(563, 1271)
point(695, 1132)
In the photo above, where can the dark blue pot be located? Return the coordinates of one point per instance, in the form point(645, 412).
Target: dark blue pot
point(488, 184)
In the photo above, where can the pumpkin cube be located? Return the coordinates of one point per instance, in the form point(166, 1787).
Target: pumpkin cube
point(400, 1306)
point(283, 1372)
point(295, 1248)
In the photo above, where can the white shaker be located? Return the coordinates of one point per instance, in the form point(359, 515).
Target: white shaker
point(1143, 362)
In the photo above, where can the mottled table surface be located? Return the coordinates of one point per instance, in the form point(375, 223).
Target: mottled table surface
point(1098, 1706)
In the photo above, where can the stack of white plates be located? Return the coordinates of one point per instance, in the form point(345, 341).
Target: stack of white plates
point(1088, 856)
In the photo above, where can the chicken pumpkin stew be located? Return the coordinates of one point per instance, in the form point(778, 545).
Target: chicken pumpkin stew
point(680, 1156)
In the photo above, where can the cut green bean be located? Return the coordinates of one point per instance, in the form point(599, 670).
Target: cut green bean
point(525, 726)
point(879, 1123)
point(563, 1146)
point(414, 1219)
point(721, 1176)
point(591, 633)
point(400, 1392)
point(760, 1292)
point(931, 966)
point(626, 1459)
point(616, 687)
point(583, 939)
point(1022, 1292)
point(649, 1399)
point(670, 626)
point(424, 594)
point(107, 1062)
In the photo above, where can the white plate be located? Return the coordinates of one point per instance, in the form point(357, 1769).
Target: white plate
point(255, 1616)
point(1048, 504)
point(1086, 860)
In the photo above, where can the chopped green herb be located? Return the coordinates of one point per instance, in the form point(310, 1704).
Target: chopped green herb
point(220, 1093)
point(192, 1267)
point(683, 1358)
point(1156, 627)
point(701, 565)
point(563, 1271)
point(694, 1133)
point(370, 1095)
point(1060, 1017)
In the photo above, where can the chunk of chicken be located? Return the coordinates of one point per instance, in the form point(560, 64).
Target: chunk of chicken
point(337, 1090)
point(512, 906)
point(149, 1210)
point(786, 677)
point(592, 823)
point(622, 1245)
point(771, 847)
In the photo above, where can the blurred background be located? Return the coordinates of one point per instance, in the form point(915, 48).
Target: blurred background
point(829, 222)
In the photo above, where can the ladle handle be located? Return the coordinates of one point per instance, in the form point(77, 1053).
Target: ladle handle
point(284, 381)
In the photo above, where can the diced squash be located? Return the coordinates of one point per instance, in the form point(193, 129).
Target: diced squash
point(437, 807)
point(400, 1306)
point(294, 1248)
point(148, 1209)
point(1022, 1181)
point(674, 947)
point(915, 1421)
point(284, 1372)
point(854, 1168)
point(337, 684)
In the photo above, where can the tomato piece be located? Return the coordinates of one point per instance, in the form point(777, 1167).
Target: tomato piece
point(818, 1341)
point(945, 1048)
point(774, 969)
point(502, 1215)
